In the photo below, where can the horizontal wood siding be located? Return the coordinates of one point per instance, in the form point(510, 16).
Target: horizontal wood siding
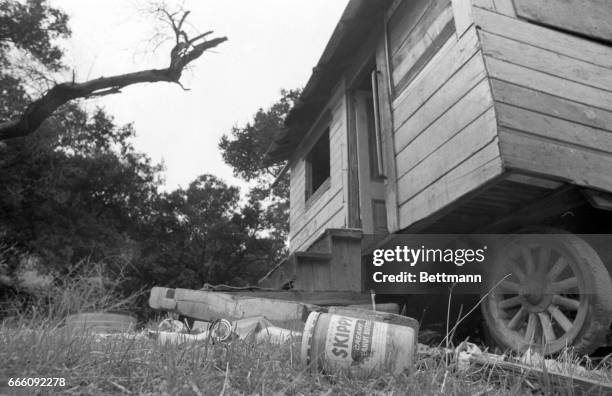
point(553, 94)
point(308, 221)
point(416, 31)
point(445, 131)
point(587, 17)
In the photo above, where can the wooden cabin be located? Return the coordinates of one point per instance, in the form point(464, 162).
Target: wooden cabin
point(439, 115)
point(446, 116)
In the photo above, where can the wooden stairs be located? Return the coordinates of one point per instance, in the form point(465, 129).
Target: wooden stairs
point(332, 263)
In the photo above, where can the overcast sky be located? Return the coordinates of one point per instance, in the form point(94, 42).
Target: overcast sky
point(273, 44)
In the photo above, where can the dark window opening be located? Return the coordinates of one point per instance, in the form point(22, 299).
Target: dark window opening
point(318, 165)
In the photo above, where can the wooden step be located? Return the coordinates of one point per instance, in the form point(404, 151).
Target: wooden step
point(312, 257)
point(332, 263)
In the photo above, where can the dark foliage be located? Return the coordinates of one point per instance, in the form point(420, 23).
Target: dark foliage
point(244, 150)
point(78, 190)
point(33, 26)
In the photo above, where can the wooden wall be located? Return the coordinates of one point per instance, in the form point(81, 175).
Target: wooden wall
point(553, 94)
point(444, 127)
point(307, 222)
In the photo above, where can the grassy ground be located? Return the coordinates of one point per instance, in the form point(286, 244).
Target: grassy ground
point(33, 344)
point(135, 364)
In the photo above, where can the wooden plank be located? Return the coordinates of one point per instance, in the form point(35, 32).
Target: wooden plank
point(386, 131)
point(449, 156)
point(352, 190)
point(424, 41)
point(598, 199)
point(461, 114)
point(331, 200)
point(585, 168)
point(305, 275)
point(435, 106)
point(403, 20)
point(567, 132)
point(560, 201)
point(505, 7)
point(207, 305)
point(542, 37)
point(590, 18)
point(364, 164)
point(451, 58)
point(550, 379)
point(553, 105)
point(553, 85)
point(474, 173)
point(345, 268)
point(316, 230)
point(546, 61)
point(488, 4)
point(319, 298)
point(462, 13)
point(533, 181)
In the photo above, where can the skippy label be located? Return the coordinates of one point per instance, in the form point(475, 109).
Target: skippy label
point(365, 343)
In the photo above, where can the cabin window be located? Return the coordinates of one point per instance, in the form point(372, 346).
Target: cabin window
point(318, 167)
point(416, 31)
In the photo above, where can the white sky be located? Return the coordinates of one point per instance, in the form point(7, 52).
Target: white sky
point(273, 44)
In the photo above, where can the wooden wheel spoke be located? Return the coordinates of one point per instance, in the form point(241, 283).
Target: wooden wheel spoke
point(566, 284)
point(547, 328)
point(510, 302)
point(565, 302)
point(516, 270)
point(532, 323)
point(544, 259)
point(509, 286)
point(557, 268)
point(518, 319)
point(560, 317)
point(530, 266)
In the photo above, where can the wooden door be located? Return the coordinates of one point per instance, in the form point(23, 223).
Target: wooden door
point(372, 205)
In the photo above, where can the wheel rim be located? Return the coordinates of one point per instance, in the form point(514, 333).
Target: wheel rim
point(541, 301)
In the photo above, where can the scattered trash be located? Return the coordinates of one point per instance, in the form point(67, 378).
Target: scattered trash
point(362, 346)
point(172, 325)
point(532, 367)
point(257, 329)
point(466, 350)
point(101, 322)
point(343, 338)
point(209, 305)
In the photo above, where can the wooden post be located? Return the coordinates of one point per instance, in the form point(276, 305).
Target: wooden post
point(462, 10)
point(386, 131)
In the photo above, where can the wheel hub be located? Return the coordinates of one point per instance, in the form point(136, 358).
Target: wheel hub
point(536, 294)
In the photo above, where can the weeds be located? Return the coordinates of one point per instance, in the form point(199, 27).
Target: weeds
point(135, 364)
point(33, 343)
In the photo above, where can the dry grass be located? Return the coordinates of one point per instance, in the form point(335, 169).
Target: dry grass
point(135, 364)
point(33, 343)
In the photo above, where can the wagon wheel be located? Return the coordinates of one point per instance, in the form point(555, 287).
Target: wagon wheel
point(555, 292)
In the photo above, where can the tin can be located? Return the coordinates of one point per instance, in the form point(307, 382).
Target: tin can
point(361, 346)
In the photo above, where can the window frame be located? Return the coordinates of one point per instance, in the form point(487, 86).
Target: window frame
point(311, 194)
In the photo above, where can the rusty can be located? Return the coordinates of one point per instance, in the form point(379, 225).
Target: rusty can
point(363, 345)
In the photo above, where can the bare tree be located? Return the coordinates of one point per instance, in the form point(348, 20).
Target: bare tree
point(186, 49)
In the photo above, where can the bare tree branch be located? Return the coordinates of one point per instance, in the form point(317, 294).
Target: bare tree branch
point(184, 52)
